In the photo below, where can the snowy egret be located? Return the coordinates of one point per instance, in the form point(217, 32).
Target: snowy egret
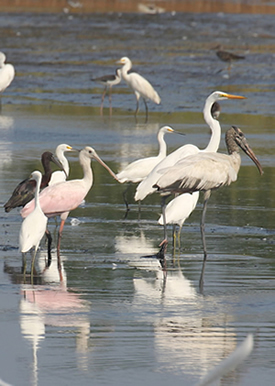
point(227, 57)
point(108, 81)
point(34, 225)
point(61, 198)
point(141, 87)
point(139, 169)
point(6, 73)
point(207, 171)
point(24, 192)
point(61, 175)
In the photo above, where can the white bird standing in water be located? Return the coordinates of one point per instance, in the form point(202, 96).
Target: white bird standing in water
point(108, 81)
point(139, 169)
point(141, 87)
point(7, 73)
point(207, 171)
point(61, 175)
point(34, 225)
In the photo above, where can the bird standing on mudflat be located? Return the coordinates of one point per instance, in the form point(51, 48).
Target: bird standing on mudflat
point(24, 192)
point(207, 171)
point(141, 87)
point(33, 227)
point(108, 81)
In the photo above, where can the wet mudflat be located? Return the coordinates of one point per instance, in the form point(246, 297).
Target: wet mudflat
point(113, 319)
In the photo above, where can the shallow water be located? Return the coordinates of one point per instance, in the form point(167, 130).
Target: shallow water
point(113, 320)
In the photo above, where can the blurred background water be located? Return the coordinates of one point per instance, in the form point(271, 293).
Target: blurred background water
point(114, 320)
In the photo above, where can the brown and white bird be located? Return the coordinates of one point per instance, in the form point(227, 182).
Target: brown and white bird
point(207, 171)
point(227, 56)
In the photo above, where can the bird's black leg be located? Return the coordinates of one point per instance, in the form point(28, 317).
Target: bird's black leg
point(49, 238)
point(206, 198)
point(163, 207)
point(137, 109)
point(125, 201)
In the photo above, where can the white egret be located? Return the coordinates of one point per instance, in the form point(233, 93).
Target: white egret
point(7, 73)
point(61, 198)
point(207, 171)
point(141, 87)
point(139, 169)
point(34, 225)
point(24, 192)
point(61, 175)
point(146, 186)
point(108, 81)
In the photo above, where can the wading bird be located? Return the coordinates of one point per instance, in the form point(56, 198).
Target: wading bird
point(33, 227)
point(146, 186)
point(139, 169)
point(6, 74)
point(227, 57)
point(61, 198)
point(61, 175)
point(141, 87)
point(24, 192)
point(108, 81)
point(180, 208)
point(207, 171)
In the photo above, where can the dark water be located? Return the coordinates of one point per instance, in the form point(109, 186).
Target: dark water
point(113, 321)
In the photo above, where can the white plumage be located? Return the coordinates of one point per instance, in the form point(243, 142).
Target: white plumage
point(6, 73)
point(61, 175)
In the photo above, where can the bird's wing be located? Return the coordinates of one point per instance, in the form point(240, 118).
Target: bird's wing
point(203, 171)
point(143, 87)
point(22, 194)
point(138, 170)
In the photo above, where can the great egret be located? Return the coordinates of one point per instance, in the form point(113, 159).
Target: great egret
point(34, 225)
point(227, 57)
point(61, 198)
point(207, 171)
point(146, 186)
point(61, 175)
point(139, 169)
point(141, 87)
point(24, 192)
point(7, 73)
point(108, 81)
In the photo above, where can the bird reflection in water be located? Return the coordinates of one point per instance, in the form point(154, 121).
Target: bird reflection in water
point(51, 304)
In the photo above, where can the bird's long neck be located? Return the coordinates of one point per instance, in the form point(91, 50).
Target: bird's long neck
point(36, 194)
point(87, 171)
point(215, 127)
point(233, 150)
point(124, 70)
point(162, 145)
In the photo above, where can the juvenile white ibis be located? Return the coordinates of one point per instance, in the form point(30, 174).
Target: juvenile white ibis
point(6, 73)
point(34, 225)
point(24, 192)
point(207, 171)
point(140, 86)
point(61, 198)
point(139, 169)
point(108, 81)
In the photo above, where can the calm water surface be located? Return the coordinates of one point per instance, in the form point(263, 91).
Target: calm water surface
point(113, 320)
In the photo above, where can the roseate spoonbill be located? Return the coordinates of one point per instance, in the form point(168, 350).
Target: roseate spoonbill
point(227, 57)
point(139, 169)
point(24, 192)
point(108, 81)
point(6, 73)
point(34, 225)
point(61, 198)
point(141, 87)
point(61, 175)
point(207, 171)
